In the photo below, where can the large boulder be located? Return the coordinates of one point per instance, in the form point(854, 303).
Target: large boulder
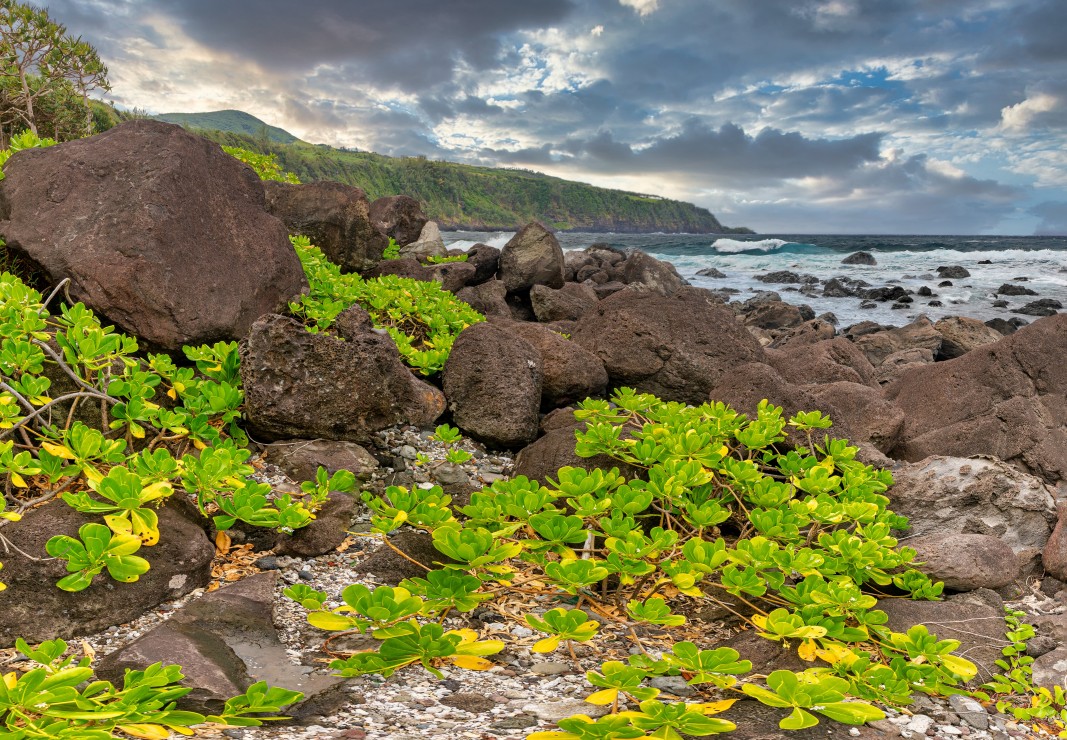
point(532, 257)
point(335, 217)
point(775, 315)
point(429, 244)
point(35, 609)
point(568, 303)
point(954, 495)
point(486, 261)
point(159, 231)
point(962, 334)
point(556, 449)
point(571, 372)
point(678, 347)
point(965, 562)
point(880, 344)
point(492, 380)
point(826, 361)
point(645, 271)
point(1007, 399)
point(399, 217)
point(488, 298)
point(304, 385)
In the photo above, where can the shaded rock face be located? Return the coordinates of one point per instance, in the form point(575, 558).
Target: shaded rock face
point(493, 380)
point(965, 562)
point(301, 458)
point(1007, 399)
point(486, 261)
point(399, 217)
point(569, 303)
point(326, 531)
point(389, 566)
point(678, 347)
point(954, 495)
point(304, 385)
point(542, 459)
point(532, 257)
point(488, 299)
point(36, 609)
point(880, 344)
point(225, 641)
point(571, 372)
point(335, 217)
point(160, 232)
point(962, 334)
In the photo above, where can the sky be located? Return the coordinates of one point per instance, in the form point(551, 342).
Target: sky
point(787, 116)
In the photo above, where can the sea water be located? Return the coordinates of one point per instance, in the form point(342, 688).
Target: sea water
point(908, 261)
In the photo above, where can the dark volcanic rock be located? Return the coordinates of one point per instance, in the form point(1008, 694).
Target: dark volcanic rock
point(299, 384)
point(399, 217)
point(953, 272)
point(160, 232)
point(493, 381)
point(301, 458)
point(542, 459)
point(531, 257)
point(827, 361)
point(486, 261)
point(842, 287)
point(965, 562)
point(571, 372)
point(645, 271)
point(324, 534)
point(35, 609)
point(1004, 327)
point(1011, 289)
point(711, 272)
point(568, 303)
point(225, 641)
point(810, 332)
point(1007, 399)
point(786, 276)
point(391, 567)
point(774, 315)
point(489, 298)
point(335, 217)
point(1043, 307)
point(860, 258)
point(678, 347)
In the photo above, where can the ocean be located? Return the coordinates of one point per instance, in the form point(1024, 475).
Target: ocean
point(1035, 262)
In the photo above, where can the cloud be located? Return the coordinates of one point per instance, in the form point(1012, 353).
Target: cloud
point(643, 7)
point(1053, 217)
point(1020, 116)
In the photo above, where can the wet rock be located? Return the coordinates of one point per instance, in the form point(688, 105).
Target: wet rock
point(1010, 289)
point(786, 277)
point(225, 641)
point(860, 258)
point(36, 609)
point(711, 272)
point(299, 384)
point(493, 382)
point(335, 217)
point(1042, 307)
point(953, 272)
point(531, 257)
point(161, 233)
point(842, 287)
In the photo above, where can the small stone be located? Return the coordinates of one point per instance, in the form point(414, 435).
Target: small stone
point(518, 722)
point(472, 703)
point(267, 562)
point(554, 711)
point(408, 452)
point(919, 724)
point(520, 631)
point(970, 710)
point(306, 575)
point(551, 668)
point(448, 474)
point(672, 685)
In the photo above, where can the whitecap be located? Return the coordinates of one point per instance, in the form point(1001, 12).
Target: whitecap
point(731, 246)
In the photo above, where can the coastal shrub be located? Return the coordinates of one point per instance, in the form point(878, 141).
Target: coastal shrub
point(86, 418)
point(265, 165)
point(60, 698)
point(766, 517)
point(422, 318)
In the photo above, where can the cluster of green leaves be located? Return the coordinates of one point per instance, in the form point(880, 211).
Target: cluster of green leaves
point(391, 251)
point(25, 140)
point(110, 442)
point(265, 165)
point(59, 698)
point(422, 318)
point(788, 531)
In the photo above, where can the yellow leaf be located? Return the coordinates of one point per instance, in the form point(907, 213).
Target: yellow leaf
point(156, 490)
point(18, 480)
point(137, 431)
point(10, 516)
point(146, 731)
point(834, 653)
point(92, 474)
point(222, 543)
point(58, 450)
point(199, 444)
point(10, 679)
point(172, 395)
point(807, 650)
point(466, 635)
point(546, 645)
point(472, 662)
point(88, 651)
point(714, 707)
point(603, 698)
point(552, 735)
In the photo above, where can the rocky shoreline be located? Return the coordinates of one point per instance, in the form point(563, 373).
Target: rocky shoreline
point(970, 418)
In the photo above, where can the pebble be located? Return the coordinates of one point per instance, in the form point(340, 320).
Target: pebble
point(970, 710)
point(675, 685)
point(554, 711)
point(918, 724)
point(551, 668)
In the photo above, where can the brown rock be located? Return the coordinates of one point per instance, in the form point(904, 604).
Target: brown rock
point(160, 232)
point(569, 303)
point(774, 315)
point(827, 361)
point(893, 366)
point(646, 272)
point(399, 217)
point(299, 384)
point(488, 299)
point(327, 530)
point(962, 334)
point(493, 380)
point(390, 567)
point(542, 459)
point(862, 411)
point(301, 458)
point(486, 261)
point(966, 562)
point(335, 217)
point(678, 347)
point(878, 345)
point(810, 332)
point(571, 373)
point(532, 257)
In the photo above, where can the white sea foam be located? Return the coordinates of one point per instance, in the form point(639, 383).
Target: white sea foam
point(497, 239)
point(732, 246)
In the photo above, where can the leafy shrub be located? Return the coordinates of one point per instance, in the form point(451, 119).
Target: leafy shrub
point(265, 165)
point(422, 318)
point(763, 512)
point(149, 412)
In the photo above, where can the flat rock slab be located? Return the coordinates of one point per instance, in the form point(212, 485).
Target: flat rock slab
point(225, 642)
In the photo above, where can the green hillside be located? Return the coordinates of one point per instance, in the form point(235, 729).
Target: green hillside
point(234, 121)
point(460, 196)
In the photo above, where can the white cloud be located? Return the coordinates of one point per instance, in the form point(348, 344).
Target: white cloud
point(596, 31)
point(643, 7)
point(1018, 117)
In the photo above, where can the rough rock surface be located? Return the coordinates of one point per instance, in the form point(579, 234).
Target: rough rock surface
point(644, 271)
point(810, 332)
point(827, 361)
point(399, 217)
point(860, 258)
point(493, 381)
point(335, 217)
point(1007, 399)
point(965, 562)
point(299, 384)
point(429, 243)
point(486, 261)
point(225, 642)
point(571, 372)
point(301, 458)
point(489, 298)
point(678, 347)
point(878, 345)
point(159, 231)
point(532, 257)
point(568, 303)
point(326, 531)
point(35, 609)
point(962, 334)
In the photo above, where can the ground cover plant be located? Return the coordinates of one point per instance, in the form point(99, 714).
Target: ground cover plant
point(422, 318)
point(768, 517)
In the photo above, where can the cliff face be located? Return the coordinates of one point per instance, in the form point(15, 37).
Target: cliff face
point(460, 196)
